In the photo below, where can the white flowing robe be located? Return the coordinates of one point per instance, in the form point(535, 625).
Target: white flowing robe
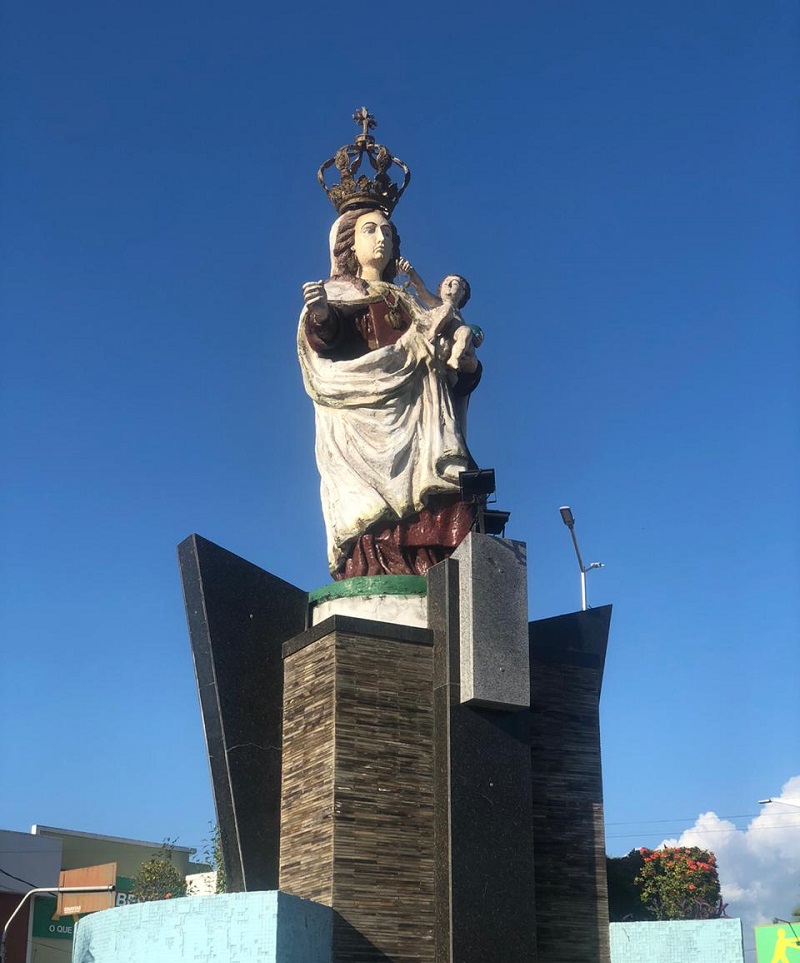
point(387, 432)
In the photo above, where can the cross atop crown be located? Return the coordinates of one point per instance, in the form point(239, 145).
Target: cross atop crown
point(364, 117)
point(352, 191)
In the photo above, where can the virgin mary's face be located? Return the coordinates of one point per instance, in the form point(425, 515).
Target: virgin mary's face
point(373, 243)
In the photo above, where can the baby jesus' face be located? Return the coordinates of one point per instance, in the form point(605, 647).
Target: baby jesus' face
point(454, 290)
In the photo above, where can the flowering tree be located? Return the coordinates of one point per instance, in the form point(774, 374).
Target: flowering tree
point(680, 883)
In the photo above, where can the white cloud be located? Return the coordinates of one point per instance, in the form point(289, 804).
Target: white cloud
point(759, 867)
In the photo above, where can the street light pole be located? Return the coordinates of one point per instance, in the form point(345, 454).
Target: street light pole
point(48, 889)
point(569, 520)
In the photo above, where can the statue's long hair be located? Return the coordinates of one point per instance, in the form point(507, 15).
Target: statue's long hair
point(344, 257)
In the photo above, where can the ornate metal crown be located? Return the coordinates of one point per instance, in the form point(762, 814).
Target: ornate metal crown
point(354, 192)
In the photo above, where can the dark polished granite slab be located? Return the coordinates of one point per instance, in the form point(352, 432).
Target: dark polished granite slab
point(484, 859)
point(239, 617)
point(567, 658)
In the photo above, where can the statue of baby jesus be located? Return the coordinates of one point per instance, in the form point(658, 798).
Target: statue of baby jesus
point(455, 340)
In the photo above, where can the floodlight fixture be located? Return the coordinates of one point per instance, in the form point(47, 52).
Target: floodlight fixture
point(784, 802)
point(476, 487)
point(493, 522)
point(569, 520)
point(477, 484)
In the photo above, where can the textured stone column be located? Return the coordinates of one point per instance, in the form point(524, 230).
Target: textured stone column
point(357, 785)
point(567, 659)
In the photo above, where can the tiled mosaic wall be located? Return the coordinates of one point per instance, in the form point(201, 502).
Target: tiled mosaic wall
point(677, 941)
point(266, 927)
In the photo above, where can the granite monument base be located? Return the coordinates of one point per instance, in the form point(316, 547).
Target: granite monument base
point(439, 829)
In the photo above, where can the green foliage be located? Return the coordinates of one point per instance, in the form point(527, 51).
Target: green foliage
point(159, 878)
point(212, 853)
point(624, 897)
point(217, 860)
point(680, 883)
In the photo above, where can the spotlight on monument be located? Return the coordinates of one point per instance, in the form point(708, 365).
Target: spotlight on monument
point(477, 484)
point(494, 522)
point(476, 487)
point(569, 520)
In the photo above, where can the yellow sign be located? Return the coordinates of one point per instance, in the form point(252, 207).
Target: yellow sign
point(778, 944)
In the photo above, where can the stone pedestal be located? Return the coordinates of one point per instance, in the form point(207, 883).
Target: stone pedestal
point(447, 806)
point(357, 787)
point(399, 599)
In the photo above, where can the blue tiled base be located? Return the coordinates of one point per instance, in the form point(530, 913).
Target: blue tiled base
point(269, 927)
point(677, 941)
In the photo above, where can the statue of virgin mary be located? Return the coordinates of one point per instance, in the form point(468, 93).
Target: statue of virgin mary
point(389, 440)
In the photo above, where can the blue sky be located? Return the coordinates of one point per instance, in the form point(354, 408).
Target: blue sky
point(618, 182)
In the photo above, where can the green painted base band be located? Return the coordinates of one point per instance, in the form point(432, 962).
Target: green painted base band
point(371, 585)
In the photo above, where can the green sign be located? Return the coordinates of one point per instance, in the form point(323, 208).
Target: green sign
point(44, 926)
point(779, 943)
point(123, 894)
point(62, 927)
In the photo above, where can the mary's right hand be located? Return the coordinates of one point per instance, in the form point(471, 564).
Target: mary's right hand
point(316, 300)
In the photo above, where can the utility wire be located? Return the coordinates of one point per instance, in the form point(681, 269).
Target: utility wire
point(19, 879)
point(700, 832)
point(677, 819)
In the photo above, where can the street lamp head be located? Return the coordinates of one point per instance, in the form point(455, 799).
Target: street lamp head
point(566, 516)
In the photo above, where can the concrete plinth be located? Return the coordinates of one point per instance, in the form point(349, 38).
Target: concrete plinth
point(399, 599)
